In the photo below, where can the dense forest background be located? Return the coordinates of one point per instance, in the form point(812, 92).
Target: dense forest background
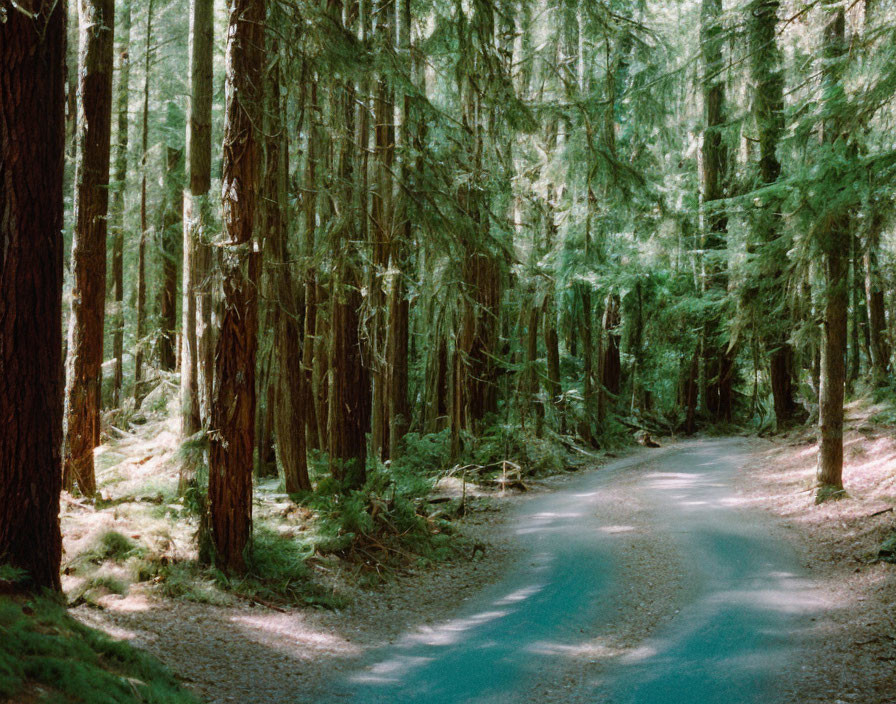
point(371, 238)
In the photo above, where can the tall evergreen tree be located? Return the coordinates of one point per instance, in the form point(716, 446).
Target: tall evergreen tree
point(32, 148)
point(85, 345)
point(232, 429)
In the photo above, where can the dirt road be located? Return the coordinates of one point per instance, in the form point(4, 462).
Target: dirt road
point(714, 612)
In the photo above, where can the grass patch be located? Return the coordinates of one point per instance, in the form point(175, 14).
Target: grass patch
point(887, 551)
point(110, 546)
point(51, 657)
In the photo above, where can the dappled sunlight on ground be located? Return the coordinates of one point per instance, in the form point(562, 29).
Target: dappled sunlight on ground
point(839, 540)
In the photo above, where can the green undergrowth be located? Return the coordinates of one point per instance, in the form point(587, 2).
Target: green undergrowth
point(887, 550)
point(47, 656)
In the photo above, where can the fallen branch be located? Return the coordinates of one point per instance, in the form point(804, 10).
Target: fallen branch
point(881, 512)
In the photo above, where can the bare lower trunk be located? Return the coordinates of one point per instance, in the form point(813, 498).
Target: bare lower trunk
point(833, 349)
point(32, 148)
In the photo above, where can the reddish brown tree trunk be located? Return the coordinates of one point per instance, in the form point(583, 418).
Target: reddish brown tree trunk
point(290, 397)
point(32, 147)
point(834, 243)
point(85, 341)
point(233, 408)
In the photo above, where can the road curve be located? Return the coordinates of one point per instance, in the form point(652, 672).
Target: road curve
point(734, 637)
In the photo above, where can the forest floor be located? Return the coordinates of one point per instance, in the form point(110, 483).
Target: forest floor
point(851, 653)
point(233, 647)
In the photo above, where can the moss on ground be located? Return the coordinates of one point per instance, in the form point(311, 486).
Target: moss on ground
point(47, 656)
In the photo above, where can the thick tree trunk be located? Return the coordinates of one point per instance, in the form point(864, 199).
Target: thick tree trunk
point(834, 243)
point(85, 345)
point(116, 208)
point(32, 148)
point(233, 407)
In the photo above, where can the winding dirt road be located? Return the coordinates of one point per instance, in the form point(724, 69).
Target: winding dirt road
point(643, 583)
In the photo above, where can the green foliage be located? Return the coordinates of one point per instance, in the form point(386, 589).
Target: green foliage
point(887, 551)
point(109, 546)
point(42, 649)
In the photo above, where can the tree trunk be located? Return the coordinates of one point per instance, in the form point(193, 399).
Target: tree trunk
point(144, 226)
point(291, 395)
point(349, 402)
point(32, 149)
point(718, 358)
point(314, 439)
point(117, 206)
point(198, 164)
point(874, 301)
point(85, 345)
point(381, 242)
point(399, 410)
point(612, 365)
point(172, 230)
point(233, 407)
point(834, 245)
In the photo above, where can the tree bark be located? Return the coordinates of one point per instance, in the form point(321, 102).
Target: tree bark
point(197, 357)
point(768, 112)
point(144, 226)
point(399, 410)
point(32, 149)
point(381, 242)
point(834, 244)
point(349, 400)
point(172, 229)
point(117, 206)
point(85, 342)
point(233, 408)
point(291, 396)
point(718, 358)
point(874, 301)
